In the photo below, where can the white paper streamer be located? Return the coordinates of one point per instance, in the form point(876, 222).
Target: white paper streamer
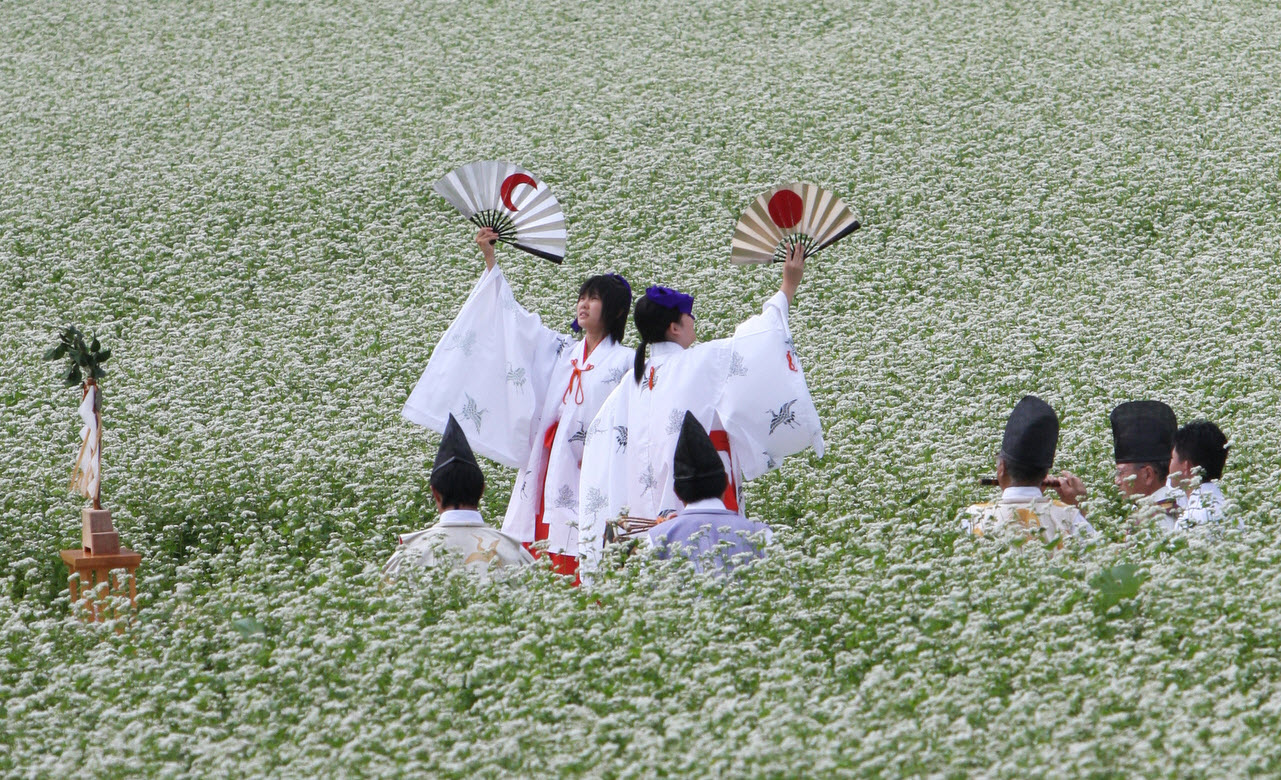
point(85, 478)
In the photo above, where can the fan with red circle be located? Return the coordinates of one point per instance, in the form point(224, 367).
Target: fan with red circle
point(796, 213)
point(505, 197)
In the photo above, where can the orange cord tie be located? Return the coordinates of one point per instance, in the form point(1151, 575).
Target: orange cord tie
point(790, 363)
point(576, 374)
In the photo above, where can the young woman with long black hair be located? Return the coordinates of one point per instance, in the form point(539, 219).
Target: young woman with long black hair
point(525, 395)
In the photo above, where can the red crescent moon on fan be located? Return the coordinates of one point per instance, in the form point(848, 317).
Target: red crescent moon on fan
point(510, 183)
point(785, 208)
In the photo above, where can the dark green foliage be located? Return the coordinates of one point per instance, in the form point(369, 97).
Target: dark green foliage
point(1116, 584)
point(83, 362)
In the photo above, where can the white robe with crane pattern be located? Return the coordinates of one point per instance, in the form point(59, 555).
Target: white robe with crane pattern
point(748, 391)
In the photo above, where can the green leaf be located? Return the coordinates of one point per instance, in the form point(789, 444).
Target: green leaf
point(52, 354)
point(1115, 584)
point(95, 345)
point(98, 372)
point(104, 356)
point(249, 628)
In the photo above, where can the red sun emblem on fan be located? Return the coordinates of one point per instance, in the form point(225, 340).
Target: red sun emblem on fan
point(511, 183)
point(785, 209)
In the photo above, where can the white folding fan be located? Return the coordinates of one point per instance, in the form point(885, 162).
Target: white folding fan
point(505, 197)
point(784, 216)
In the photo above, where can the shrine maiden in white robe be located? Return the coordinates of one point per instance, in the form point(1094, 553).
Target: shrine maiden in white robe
point(524, 395)
point(748, 391)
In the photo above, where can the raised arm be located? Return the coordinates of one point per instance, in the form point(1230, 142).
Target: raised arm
point(486, 239)
point(793, 269)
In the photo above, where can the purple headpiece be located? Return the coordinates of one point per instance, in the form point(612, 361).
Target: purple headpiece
point(671, 299)
point(620, 278)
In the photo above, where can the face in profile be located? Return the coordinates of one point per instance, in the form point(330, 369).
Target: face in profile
point(1182, 470)
point(682, 331)
point(1136, 480)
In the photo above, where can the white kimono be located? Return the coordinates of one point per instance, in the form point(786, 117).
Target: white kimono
point(749, 389)
point(524, 395)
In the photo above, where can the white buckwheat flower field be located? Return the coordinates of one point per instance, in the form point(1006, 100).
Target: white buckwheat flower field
point(1074, 200)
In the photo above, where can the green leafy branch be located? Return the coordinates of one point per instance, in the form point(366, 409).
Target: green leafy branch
point(84, 361)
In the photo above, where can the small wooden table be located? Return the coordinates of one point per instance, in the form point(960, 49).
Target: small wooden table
point(96, 569)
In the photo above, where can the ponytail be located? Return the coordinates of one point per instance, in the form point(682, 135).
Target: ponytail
point(639, 365)
point(652, 321)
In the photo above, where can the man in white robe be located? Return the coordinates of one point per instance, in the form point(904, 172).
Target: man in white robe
point(526, 395)
point(704, 530)
point(749, 391)
point(1142, 438)
point(1022, 470)
point(460, 537)
point(1196, 465)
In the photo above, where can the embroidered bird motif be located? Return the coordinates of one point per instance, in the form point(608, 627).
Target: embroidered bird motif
point(784, 416)
point(482, 555)
point(515, 376)
point(737, 365)
point(473, 412)
point(466, 341)
point(620, 436)
point(581, 435)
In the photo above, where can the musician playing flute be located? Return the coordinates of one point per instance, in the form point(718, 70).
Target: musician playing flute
point(1022, 471)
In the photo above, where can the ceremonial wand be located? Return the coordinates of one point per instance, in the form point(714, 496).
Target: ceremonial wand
point(84, 368)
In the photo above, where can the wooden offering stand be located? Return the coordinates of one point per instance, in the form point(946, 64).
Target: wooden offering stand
point(92, 565)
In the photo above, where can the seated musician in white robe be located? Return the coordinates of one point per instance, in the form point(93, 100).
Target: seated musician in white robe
point(748, 391)
point(1196, 465)
point(460, 537)
point(704, 530)
point(1022, 470)
point(1143, 439)
point(526, 395)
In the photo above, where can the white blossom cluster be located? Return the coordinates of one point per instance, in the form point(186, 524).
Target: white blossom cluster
point(1075, 200)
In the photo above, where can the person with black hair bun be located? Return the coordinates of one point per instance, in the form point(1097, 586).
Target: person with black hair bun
point(526, 393)
point(748, 391)
point(1196, 464)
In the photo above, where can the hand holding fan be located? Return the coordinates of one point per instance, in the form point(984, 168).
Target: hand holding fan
point(796, 213)
point(505, 197)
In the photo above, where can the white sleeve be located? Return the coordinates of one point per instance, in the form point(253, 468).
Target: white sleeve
point(490, 370)
point(765, 404)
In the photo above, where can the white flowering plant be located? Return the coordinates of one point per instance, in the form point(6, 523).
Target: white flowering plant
point(1075, 200)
